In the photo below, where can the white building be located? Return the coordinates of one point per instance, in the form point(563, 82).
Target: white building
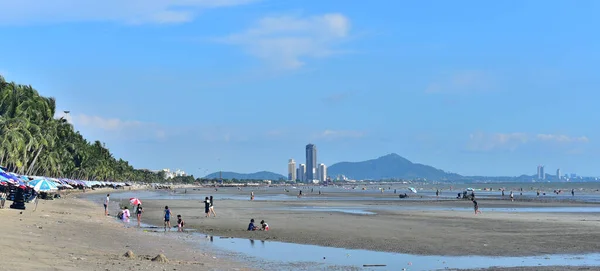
point(322, 173)
point(291, 170)
point(172, 174)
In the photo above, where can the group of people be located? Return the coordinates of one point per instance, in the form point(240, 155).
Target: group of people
point(167, 219)
point(209, 208)
point(263, 226)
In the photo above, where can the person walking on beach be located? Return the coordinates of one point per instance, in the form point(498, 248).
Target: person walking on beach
point(573, 192)
point(106, 201)
point(167, 218)
point(512, 196)
point(206, 206)
point(212, 207)
point(139, 212)
point(251, 195)
point(476, 207)
point(437, 193)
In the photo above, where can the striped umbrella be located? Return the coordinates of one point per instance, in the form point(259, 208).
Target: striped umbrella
point(43, 185)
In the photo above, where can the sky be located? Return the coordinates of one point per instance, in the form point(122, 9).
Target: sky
point(472, 87)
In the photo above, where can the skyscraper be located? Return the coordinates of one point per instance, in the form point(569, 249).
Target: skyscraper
point(291, 170)
point(302, 172)
point(311, 162)
point(558, 175)
point(322, 173)
point(540, 173)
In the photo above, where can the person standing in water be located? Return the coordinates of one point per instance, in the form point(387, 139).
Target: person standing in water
point(437, 193)
point(573, 192)
point(512, 196)
point(139, 212)
point(251, 195)
point(106, 201)
point(167, 218)
point(212, 206)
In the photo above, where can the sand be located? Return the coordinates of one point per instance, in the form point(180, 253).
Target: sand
point(73, 234)
point(409, 231)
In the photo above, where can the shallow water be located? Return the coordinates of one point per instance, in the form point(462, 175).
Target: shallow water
point(347, 210)
point(289, 252)
point(336, 194)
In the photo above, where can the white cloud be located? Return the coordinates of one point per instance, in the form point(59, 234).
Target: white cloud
point(285, 41)
point(97, 127)
point(511, 141)
point(108, 124)
point(487, 142)
point(339, 134)
point(562, 138)
point(461, 82)
point(127, 11)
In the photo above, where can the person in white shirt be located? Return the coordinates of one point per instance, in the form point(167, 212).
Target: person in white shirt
point(106, 201)
point(126, 215)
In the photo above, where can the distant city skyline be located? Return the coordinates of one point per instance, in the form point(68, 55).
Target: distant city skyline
point(481, 88)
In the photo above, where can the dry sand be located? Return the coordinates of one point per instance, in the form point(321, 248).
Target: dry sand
point(73, 234)
point(408, 231)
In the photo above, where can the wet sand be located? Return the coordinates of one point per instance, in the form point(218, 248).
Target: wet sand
point(538, 268)
point(429, 232)
point(73, 234)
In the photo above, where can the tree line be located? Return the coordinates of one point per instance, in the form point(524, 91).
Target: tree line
point(34, 142)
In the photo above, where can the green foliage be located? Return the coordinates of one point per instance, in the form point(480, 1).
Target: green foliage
point(33, 142)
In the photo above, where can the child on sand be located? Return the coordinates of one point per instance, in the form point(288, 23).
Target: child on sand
point(251, 226)
point(264, 226)
point(167, 218)
point(180, 223)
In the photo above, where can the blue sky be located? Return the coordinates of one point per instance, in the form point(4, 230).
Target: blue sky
point(473, 87)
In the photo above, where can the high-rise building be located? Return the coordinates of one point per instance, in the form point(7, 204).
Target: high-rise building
point(291, 170)
point(322, 173)
point(311, 162)
point(301, 175)
point(540, 173)
point(558, 175)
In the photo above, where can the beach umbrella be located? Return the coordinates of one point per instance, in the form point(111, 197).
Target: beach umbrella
point(412, 189)
point(135, 201)
point(43, 185)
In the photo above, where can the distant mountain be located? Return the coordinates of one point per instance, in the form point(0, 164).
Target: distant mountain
point(261, 175)
point(391, 166)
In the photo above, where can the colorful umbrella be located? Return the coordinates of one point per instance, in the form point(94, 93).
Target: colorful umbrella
point(135, 201)
point(43, 185)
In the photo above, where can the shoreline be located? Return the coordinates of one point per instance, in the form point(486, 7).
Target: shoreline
point(73, 234)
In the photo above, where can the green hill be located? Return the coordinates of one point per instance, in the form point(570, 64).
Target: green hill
point(391, 166)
